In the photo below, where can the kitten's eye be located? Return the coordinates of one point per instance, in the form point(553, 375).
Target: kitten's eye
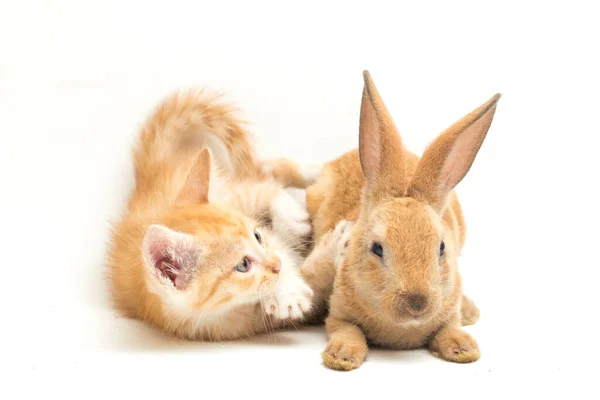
point(442, 248)
point(258, 237)
point(244, 266)
point(377, 249)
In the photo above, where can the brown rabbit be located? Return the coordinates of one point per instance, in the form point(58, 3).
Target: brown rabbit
point(398, 284)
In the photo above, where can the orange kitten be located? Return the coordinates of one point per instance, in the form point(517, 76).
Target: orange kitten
point(208, 252)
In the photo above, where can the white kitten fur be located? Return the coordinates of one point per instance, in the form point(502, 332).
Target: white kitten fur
point(291, 296)
point(289, 217)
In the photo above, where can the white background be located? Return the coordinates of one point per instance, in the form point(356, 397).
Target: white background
point(77, 79)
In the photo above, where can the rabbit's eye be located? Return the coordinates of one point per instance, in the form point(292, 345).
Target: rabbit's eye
point(442, 248)
point(377, 249)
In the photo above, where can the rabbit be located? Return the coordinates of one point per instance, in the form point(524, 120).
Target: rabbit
point(398, 284)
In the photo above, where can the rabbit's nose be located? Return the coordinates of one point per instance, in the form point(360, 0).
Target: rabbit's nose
point(415, 304)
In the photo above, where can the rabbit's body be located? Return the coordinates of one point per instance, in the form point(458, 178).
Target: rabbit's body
point(397, 283)
point(335, 197)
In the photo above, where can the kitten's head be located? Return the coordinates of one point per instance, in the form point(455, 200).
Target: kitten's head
point(205, 259)
point(213, 261)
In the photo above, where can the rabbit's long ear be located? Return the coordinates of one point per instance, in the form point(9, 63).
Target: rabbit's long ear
point(381, 152)
point(447, 160)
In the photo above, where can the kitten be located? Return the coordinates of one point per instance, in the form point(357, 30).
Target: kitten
point(210, 249)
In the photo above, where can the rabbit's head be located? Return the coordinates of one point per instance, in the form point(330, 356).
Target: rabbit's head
point(404, 248)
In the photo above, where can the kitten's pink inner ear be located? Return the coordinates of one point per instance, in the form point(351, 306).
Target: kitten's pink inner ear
point(170, 255)
point(172, 270)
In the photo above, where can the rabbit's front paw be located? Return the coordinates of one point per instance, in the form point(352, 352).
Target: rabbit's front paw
point(343, 356)
point(290, 302)
point(289, 217)
point(334, 243)
point(455, 345)
point(343, 231)
point(469, 313)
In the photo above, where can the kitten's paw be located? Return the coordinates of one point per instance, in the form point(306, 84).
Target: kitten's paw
point(290, 173)
point(311, 173)
point(456, 346)
point(268, 166)
point(290, 303)
point(289, 217)
point(343, 356)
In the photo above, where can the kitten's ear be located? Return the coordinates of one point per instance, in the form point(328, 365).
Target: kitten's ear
point(171, 256)
point(381, 151)
point(196, 186)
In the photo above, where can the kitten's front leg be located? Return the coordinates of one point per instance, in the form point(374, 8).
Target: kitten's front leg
point(291, 297)
point(289, 217)
point(290, 174)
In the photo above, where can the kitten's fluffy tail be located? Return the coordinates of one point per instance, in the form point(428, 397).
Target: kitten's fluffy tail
point(185, 123)
point(180, 127)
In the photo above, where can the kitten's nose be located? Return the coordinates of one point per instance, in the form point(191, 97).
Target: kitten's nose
point(274, 264)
